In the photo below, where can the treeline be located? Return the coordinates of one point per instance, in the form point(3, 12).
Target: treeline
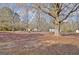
point(10, 21)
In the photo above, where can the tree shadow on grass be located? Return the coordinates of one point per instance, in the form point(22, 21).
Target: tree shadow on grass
point(13, 36)
point(70, 34)
point(56, 49)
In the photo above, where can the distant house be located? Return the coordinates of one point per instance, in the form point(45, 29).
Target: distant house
point(35, 29)
point(77, 31)
point(51, 30)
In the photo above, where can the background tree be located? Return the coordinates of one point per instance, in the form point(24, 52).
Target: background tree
point(7, 19)
point(59, 12)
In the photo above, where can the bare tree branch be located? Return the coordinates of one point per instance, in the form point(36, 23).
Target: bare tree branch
point(50, 14)
point(72, 10)
point(64, 7)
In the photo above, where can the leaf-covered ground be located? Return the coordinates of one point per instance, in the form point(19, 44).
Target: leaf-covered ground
point(43, 43)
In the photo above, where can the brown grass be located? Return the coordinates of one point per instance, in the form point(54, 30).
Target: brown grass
point(38, 43)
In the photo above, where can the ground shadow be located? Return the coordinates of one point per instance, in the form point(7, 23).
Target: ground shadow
point(4, 36)
point(56, 49)
point(70, 34)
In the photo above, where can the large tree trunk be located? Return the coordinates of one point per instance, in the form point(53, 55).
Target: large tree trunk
point(57, 30)
point(57, 27)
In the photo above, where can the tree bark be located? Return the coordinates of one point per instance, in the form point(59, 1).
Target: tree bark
point(57, 30)
point(57, 27)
